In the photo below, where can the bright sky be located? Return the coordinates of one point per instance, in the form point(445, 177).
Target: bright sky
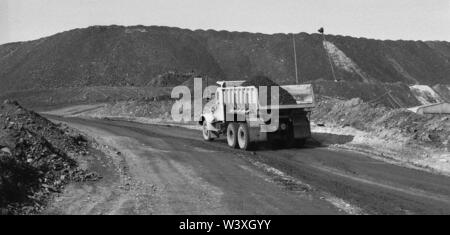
point(382, 19)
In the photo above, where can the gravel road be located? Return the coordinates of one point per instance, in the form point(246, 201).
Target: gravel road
point(171, 170)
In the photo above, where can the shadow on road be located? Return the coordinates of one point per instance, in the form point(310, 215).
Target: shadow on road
point(326, 139)
point(316, 141)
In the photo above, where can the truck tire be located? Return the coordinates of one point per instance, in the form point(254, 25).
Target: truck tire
point(232, 135)
point(207, 135)
point(243, 136)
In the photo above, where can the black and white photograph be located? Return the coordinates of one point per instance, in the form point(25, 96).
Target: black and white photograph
point(242, 109)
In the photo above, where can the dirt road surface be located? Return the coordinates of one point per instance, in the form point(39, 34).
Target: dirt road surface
point(156, 169)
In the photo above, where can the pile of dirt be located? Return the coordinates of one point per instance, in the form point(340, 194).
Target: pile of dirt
point(120, 56)
point(35, 159)
point(257, 81)
point(432, 130)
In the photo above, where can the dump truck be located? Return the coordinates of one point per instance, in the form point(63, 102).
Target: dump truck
point(233, 108)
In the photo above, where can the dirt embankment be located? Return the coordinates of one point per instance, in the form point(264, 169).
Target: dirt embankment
point(431, 130)
point(47, 99)
point(141, 108)
point(37, 158)
point(397, 134)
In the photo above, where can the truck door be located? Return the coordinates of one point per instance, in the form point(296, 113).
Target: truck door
point(220, 112)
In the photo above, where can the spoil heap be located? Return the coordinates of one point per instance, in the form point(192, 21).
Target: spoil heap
point(284, 97)
point(34, 159)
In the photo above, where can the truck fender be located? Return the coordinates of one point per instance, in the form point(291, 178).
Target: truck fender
point(209, 119)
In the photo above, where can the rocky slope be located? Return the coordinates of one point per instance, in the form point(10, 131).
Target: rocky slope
point(139, 56)
point(37, 158)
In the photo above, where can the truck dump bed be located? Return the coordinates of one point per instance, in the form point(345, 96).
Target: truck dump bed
point(248, 95)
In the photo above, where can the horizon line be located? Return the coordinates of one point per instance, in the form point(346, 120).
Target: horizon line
point(217, 30)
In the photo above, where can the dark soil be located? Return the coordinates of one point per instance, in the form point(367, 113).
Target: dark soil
point(36, 159)
point(257, 81)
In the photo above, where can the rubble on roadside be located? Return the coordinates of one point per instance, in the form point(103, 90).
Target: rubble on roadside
point(36, 159)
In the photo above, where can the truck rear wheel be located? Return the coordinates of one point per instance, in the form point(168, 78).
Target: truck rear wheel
point(207, 135)
point(232, 134)
point(243, 136)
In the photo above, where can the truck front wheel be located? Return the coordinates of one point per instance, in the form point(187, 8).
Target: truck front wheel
point(207, 135)
point(232, 135)
point(243, 136)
